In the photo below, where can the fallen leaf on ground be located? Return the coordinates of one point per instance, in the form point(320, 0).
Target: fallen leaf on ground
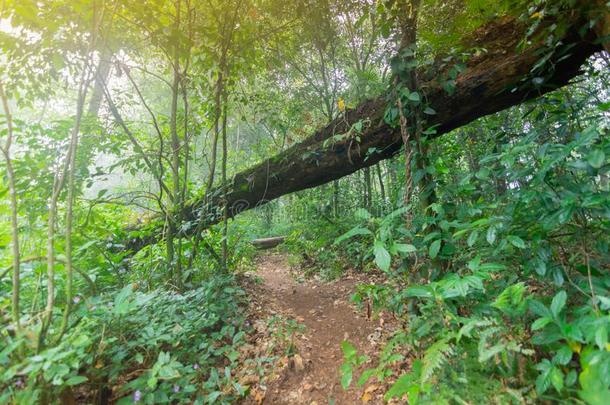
point(258, 395)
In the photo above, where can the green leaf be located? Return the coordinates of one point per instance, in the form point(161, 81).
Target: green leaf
point(401, 387)
point(121, 300)
point(238, 336)
point(213, 396)
point(414, 96)
point(365, 376)
point(418, 291)
point(472, 238)
point(563, 355)
point(558, 303)
point(404, 248)
point(593, 391)
point(75, 380)
point(346, 376)
point(540, 323)
point(557, 378)
point(84, 247)
point(475, 263)
point(596, 158)
point(482, 174)
point(601, 337)
point(357, 231)
point(486, 353)
point(435, 356)
point(489, 267)
point(511, 299)
point(429, 111)
point(348, 349)
point(539, 309)
point(491, 235)
point(434, 248)
point(571, 378)
point(543, 381)
point(516, 241)
point(382, 257)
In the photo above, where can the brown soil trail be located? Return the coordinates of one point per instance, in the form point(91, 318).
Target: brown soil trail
point(324, 308)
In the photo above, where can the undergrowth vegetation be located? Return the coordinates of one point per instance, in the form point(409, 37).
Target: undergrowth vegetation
point(501, 284)
point(135, 135)
point(179, 340)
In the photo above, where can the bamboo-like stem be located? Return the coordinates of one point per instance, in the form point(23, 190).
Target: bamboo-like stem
point(58, 184)
point(10, 173)
point(174, 260)
point(69, 268)
point(225, 214)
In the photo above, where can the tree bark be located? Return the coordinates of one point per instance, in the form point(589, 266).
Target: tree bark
point(103, 71)
point(368, 190)
point(335, 198)
point(411, 127)
point(268, 243)
point(225, 210)
point(381, 185)
point(493, 81)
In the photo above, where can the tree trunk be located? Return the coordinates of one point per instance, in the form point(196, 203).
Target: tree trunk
point(217, 113)
point(381, 185)
point(368, 190)
point(411, 127)
point(268, 243)
point(10, 174)
point(103, 71)
point(492, 81)
point(336, 198)
point(225, 210)
point(58, 185)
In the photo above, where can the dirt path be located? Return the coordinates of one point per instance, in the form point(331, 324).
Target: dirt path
point(329, 318)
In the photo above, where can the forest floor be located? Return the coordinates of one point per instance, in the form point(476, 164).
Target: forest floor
point(309, 374)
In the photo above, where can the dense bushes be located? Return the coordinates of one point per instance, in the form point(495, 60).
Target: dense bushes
point(502, 283)
point(157, 347)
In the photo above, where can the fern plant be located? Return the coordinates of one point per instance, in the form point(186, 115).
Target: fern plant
point(434, 357)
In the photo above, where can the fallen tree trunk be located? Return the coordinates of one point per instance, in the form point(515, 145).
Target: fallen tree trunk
point(268, 243)
point(493, 80)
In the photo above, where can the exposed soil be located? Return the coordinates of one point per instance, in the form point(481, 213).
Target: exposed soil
point(312, 375)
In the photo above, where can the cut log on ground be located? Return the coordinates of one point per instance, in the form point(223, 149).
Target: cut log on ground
point(268, 243)
point(498, 78)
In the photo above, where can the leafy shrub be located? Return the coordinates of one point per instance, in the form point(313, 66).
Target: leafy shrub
point(172, 347)
point(512, 288)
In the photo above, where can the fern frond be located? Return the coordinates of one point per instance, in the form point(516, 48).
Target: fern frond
point(511, 300)
point(435, 356)
point(469, 325)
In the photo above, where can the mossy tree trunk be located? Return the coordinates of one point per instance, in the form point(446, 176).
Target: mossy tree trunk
point(492, 81)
